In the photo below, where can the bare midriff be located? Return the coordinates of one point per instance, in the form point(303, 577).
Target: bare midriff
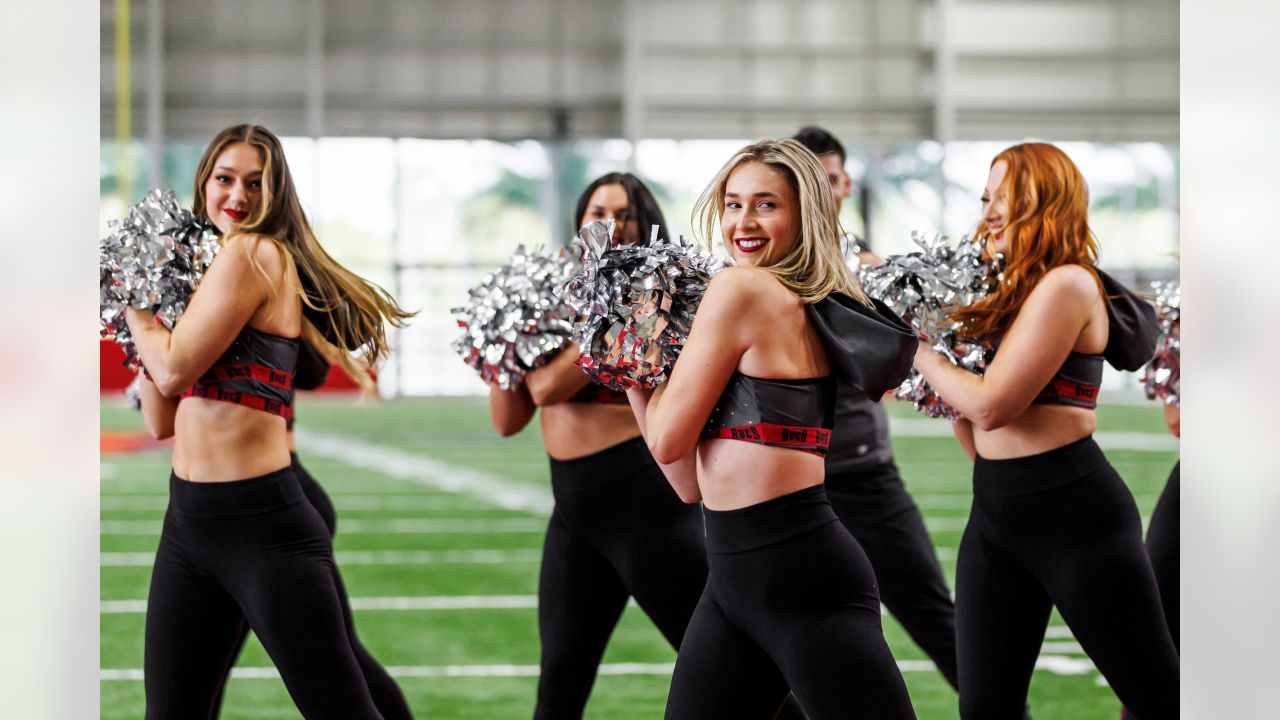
point(221, 442)
point(733, 474)
point(1041, 428)
point(574, 430)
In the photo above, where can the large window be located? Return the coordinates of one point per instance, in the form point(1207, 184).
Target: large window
point(428, 218)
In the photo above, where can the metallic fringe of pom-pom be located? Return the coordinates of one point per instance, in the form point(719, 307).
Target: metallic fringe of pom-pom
point(1162, 377)
point(153, 259)
point(924, 287)
point(513, 320)
point(635, 304)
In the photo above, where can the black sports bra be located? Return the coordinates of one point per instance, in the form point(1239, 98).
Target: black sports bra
point(1075, 383)
point(593, 392)
point(256, 371)
point(789, 413)
point(1130, 343)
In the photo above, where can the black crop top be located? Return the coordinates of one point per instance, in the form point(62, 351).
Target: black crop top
point(790, 413)
point(256, 371)
point(870, 350)
point(1130, 344)
point(594, 392)
point(1075, 383)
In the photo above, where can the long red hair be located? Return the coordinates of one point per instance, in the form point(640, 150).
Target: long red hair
point(1048, 226)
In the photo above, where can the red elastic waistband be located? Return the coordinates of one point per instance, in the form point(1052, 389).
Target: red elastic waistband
point(1070, 392)
point(257, 402)
point(806, 439)
point(250, 371)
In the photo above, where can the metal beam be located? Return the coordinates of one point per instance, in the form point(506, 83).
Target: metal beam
point(632, 92)
point(315, 69)
point(155, 94)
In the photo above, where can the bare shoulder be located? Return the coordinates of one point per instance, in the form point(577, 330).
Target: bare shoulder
point(753, 287)
point(248, 250)
point(1069, 283)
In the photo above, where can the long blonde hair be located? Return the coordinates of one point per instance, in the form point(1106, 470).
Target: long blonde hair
point(344, 308)
point(814, 267)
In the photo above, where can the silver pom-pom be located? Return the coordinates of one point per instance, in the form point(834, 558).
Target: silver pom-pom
point(513, 320)
point(924, 288)
point(1162, 377)
point(635, 304)
point(152, 260)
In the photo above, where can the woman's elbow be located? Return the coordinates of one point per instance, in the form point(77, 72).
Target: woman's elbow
point(160, 430)
point(507, 427)
point(169, 384)
point(991, 417)
point(689, 495)
point(665, 451)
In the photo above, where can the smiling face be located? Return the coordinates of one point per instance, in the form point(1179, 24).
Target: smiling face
point(760, 221)
point(233, 189)
point(995, 206)
point(610, 202)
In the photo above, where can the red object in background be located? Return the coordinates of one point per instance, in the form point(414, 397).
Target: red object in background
point(115, 377)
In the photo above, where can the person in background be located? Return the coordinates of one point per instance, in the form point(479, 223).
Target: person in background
point(616, 531)
point(868, 495)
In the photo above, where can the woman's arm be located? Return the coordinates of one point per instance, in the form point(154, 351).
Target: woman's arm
point(229, 295)
point(1043, 334)
point(510, 410)
point(963, 430)
point(158, 411)
point(675, 416)
point(559, 379)
point(681, 474)
point(1173, 419)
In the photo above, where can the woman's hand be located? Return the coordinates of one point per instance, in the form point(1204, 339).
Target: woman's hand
point(559, 379)
point(1047, 327)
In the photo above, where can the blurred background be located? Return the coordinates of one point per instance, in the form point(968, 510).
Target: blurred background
point(428, 138)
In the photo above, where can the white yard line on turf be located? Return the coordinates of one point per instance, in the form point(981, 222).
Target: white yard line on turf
point(370, 557)
point(924, 427)
point(345, 502)
point(379, 526)
point(424, 470)
point(1057, 665)
point(438, 526)
point(420, 602)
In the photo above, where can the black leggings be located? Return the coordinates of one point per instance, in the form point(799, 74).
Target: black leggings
point(386, 694)
point(252, 549)
point(1059, 528)
point(617, 531)
point(873, 504)
point(790, 602)
point(1162, 547)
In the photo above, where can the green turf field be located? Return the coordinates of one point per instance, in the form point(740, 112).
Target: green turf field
point(418, 521)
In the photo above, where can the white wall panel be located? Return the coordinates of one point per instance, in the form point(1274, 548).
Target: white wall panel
point(433, 67)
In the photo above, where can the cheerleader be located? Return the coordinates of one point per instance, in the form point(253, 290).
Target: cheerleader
point(1052, 523)
point(313, 369)
point(616, 531)
point(240, 542)
point(744, 424)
